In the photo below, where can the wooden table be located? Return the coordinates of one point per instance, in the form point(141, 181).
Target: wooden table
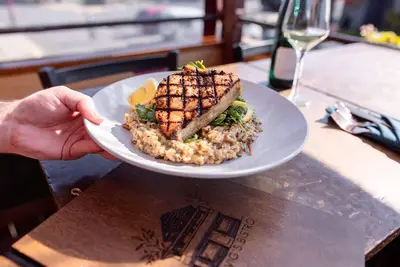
point(4, 262)
point(348, 178)
point(132, 217)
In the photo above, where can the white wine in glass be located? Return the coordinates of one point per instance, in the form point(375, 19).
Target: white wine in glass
point(305, 25)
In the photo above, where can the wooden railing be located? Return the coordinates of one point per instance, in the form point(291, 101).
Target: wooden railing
point(33, 65)
point(74, 26)
point(214, 10)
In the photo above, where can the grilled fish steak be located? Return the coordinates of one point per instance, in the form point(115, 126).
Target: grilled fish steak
point(190, 100)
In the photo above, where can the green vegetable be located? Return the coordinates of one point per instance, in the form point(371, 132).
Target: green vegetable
point(197, 64)
point(200, 65)
point(220, 119)
point(233, 115)
point(240, 98)
point(146, 114)
point(194, 138)
point(191, 64)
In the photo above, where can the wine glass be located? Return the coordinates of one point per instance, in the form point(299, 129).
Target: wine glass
point(306, 24)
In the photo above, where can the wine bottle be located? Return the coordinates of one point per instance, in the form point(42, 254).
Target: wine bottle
point(283, 60)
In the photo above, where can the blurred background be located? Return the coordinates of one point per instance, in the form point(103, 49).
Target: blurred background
point(347, 17)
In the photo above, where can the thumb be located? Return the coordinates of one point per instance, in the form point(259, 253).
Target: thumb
point(77, 101)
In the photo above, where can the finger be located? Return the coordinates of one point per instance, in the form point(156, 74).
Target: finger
point(103, 153)
point(86, 136)
point(77, 101)
point(83, 147)
point(107, 155)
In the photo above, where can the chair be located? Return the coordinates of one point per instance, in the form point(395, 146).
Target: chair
point(50, 76)
point(25, 198)
point(243, 52)
point(64, 177)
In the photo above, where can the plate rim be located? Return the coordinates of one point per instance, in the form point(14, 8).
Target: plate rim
point(192, 173)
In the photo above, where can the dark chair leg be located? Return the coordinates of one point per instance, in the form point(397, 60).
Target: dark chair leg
point(22, 180)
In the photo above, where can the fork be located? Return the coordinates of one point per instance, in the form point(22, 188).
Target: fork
point(347, 114)
point(346, 123)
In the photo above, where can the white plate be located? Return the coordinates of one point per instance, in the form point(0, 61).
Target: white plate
point(284, 135)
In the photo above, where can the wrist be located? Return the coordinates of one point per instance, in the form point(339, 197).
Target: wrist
point(7, 124)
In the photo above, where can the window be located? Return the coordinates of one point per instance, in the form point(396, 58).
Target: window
point(347, 17)
point(137, 37)
point(265, 11)
point(350, 15)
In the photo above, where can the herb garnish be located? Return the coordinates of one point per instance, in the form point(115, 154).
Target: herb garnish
point(194, 138)
point(197, 64)
point(146, 114)
point(240, 98)
point(233, 115)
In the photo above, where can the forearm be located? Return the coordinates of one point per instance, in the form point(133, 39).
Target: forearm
point(6, 125)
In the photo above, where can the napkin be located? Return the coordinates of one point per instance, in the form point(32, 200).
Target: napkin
point(379, 133)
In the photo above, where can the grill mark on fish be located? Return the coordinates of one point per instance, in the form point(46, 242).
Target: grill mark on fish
point(175, 109)
point(168, 104)
point(187, 97)
point(183, 97)
point(200, 104)
point(195, 97)
point(213, 85)
point(230, 83)
point(178, 84)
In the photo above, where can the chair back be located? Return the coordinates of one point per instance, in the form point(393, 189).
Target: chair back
point(50, 76)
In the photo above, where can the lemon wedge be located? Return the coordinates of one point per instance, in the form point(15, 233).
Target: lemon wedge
point(239, 103)
point(249, 113)
point(143, 94)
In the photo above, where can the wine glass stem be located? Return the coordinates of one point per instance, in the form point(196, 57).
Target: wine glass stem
point(294, 93)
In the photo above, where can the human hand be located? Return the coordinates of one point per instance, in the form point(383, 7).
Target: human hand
point(49, 125)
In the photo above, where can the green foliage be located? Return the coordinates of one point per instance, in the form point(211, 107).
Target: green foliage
point(194, 138)
point(146, 114)
point(233, 115)
point(197, 64)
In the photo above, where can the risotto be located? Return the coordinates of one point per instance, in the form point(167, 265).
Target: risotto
point(214, 145)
